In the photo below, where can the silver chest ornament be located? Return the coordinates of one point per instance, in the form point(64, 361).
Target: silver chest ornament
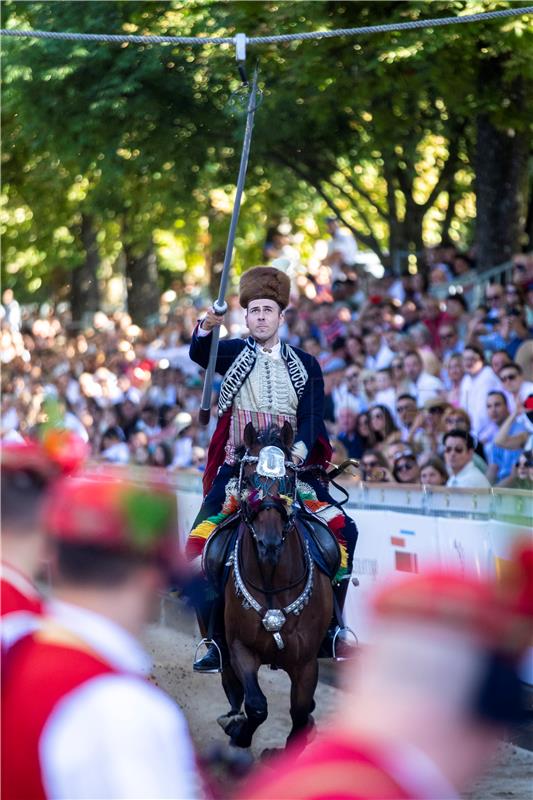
point(273, 622)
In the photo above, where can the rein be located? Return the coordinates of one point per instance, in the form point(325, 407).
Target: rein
point(269, 592)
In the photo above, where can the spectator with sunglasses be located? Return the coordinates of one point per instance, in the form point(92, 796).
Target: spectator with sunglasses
point(405, 468)
point(406, 411)
point(521, 476)
point(516, 389)
point(374, 467)
point(458, 418)
point(427, 428)
point(459, 455)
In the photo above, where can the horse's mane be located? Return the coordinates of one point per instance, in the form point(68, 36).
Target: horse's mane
point(270, 436)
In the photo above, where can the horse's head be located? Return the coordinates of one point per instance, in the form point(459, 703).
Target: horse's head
point(267, 487)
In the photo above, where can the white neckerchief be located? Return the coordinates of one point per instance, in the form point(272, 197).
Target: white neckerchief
point(273, 352)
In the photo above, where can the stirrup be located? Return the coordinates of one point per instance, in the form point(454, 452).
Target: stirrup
point(338, 631)
point(205, 642)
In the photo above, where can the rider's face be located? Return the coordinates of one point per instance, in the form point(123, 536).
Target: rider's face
point(263, 318)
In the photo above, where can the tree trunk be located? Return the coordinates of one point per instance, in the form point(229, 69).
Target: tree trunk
point(501, 191)
point(501, 165)
point(84, 289)
point(142, 285)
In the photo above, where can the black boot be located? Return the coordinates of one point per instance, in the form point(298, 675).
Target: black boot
point(339, 642)
point(210, 613)
point(211, 662)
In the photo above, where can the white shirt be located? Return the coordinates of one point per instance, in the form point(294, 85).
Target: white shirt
point(387, 397)
point(381, 360)
point(116, 736)
point(473, 396)
point(523, 393)
point(470, 477)
point(427, 387)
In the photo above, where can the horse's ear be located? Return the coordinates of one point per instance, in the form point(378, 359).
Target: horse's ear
point(249, 436)
point(287, 435)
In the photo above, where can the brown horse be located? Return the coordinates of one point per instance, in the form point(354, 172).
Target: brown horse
point(278, 605)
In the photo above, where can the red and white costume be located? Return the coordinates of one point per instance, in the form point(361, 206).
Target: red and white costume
point(18, 593)
point(79, 719)
point(340, 768)
point(21, 604)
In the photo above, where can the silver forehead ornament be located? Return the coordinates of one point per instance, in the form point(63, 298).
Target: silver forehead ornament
point(271, 462)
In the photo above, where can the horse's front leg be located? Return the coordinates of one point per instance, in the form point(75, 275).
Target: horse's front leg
point(304, 679)
point(246, 666)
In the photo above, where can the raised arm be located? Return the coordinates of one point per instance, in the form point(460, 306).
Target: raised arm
point(518, 440)
point(200, 345)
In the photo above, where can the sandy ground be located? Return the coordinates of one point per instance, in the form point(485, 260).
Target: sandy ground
point(202, 699)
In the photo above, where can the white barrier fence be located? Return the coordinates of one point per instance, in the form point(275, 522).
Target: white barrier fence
point(407, 529)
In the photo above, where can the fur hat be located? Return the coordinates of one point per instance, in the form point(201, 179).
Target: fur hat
point(264, 283)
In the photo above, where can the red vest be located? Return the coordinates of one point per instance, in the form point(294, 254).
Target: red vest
point(17, 593)
point(332, 768)
point(38, 672)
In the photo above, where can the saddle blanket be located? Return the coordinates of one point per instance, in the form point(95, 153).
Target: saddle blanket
point(326, 513)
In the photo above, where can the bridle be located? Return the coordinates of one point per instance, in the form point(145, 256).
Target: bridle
point(267, 500)
point(273, 619)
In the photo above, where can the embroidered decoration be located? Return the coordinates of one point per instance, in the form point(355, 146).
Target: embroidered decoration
point(327, 513)
point(236, 375)
point(243, 365)
point(297, 371)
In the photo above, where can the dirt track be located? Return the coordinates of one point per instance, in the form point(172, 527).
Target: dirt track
point(202, 700)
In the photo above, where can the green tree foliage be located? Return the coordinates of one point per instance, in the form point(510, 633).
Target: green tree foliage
point(142, 142)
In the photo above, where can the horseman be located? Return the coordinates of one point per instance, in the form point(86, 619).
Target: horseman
point(265, 381)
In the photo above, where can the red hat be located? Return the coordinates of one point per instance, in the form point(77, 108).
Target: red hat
point(500, 614)
point(105, 511)
point(59, 452)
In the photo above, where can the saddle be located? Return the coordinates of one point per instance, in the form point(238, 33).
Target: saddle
point(323, 546)
point(218, 549)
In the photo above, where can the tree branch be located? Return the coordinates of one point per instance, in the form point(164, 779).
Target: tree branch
point(368, 239)
point(332, 167)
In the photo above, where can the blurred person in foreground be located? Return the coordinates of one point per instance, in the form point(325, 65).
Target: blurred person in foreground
point(428, 699)
point(79, 718)
point(27, 471)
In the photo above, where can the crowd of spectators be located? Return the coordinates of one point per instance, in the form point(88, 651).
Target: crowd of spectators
point(422, 385)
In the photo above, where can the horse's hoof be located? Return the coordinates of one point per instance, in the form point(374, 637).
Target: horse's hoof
point(225, 720)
